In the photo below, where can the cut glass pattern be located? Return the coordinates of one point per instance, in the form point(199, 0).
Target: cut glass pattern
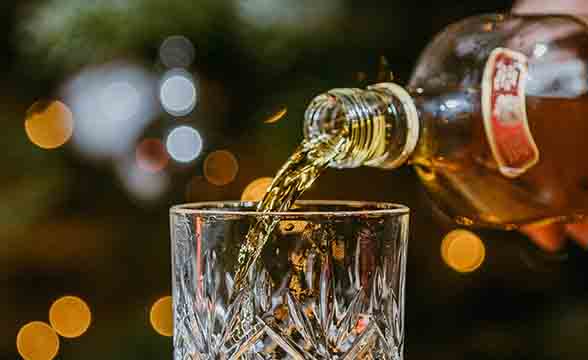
point(324, 305)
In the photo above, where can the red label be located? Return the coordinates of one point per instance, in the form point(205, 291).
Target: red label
point(505, 115)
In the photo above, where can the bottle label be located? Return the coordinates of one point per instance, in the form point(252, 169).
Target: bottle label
point(505, 114)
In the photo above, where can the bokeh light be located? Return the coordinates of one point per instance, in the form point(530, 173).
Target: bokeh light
point(277, 116)
point(256, 189)
point(49, 124)
point(151, 155)
point(161, 316)
point(463, 250)
point(301, 15)
point(37, 341)
point(184, 143)
point(70, 316)
point(112, 104)
point(178, 92)
point(142, 184)
point(120, 100)
point(220, 167)
point(176, 52)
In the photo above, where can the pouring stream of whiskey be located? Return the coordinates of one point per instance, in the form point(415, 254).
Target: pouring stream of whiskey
point(297, 175)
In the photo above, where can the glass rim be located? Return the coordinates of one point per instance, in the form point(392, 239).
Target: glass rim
point(215, 208)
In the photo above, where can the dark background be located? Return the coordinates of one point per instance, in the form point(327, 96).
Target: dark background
point(71, 223)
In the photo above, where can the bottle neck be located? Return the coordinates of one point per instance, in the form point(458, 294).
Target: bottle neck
point(380, 123)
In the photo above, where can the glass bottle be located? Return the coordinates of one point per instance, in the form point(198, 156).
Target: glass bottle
point(494, 120)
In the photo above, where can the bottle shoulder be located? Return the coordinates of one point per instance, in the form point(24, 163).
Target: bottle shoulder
point(555, 48)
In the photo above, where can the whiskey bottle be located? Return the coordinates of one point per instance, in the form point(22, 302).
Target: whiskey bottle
point(494, 120)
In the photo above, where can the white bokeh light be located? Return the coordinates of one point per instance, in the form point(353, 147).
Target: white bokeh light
point(178, 92)
point(112, 104)
point(303, 15)
point(120, 100)
point(176, 51)
point(184, 143)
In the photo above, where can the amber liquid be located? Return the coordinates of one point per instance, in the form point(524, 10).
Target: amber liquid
point(297, 174)
point(454, 160)
point(455, 163)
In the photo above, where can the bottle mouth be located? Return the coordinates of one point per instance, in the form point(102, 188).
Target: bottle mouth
point(369, 121)
point(324, 116)
point(354, 114)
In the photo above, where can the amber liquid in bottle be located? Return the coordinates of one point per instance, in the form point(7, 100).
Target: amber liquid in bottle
point(456, 164)
point(444, 125)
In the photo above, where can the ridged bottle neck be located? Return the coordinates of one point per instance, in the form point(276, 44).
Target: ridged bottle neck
point(380, 124)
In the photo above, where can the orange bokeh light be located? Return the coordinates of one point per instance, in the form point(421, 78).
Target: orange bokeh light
point(70, 316)
point(49, 125)
point(256, 189)
point(463, 250)
point(161, 316)
point(37, 341)
point(220, 167)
